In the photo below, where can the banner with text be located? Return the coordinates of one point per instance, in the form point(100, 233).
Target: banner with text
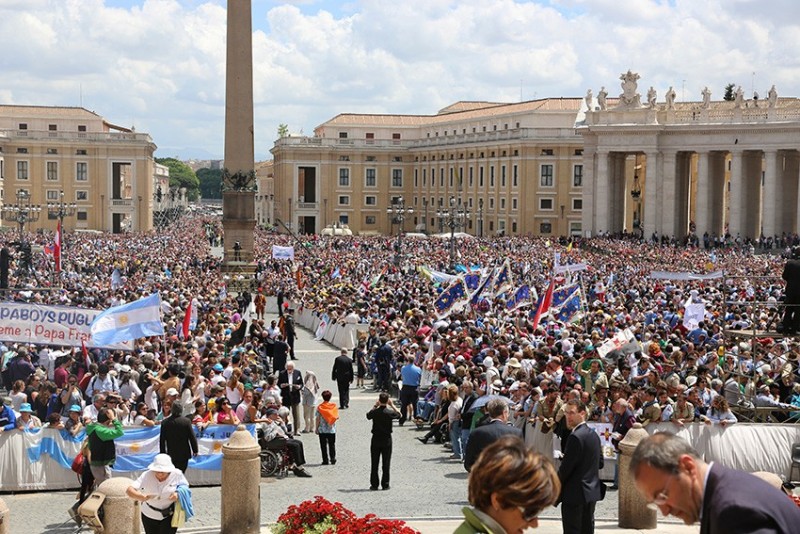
point(51, 325)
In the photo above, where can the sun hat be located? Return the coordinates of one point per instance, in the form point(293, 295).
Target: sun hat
point(162, 463)
point(513, 362)
point(25, 408)
point(75, 408)
point(172, 392)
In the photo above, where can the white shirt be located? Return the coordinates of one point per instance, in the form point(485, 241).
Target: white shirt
point(148, 484)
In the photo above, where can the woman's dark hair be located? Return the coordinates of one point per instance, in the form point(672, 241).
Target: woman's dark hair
point(327, 395)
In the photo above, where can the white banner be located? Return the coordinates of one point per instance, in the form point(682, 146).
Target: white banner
point(570, 268)
point(666, 275)
point(615, 343)
point(693, 314)
point(51, 325)
point(282, 253)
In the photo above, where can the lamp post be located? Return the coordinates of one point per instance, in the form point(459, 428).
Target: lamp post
point(425, 222)
point(397, 211)
point(456, 215)
point(59, 210)
point(22, 212)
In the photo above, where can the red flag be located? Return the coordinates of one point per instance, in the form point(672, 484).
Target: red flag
point(85, 352)
point(187, 319)
point(544, 306)
point(57, 248)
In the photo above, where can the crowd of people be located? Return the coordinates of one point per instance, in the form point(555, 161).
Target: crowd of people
point(226, 373)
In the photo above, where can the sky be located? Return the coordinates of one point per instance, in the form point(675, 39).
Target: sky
point(159, 65)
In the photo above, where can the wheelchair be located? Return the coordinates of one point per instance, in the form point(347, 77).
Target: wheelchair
point(274, 458)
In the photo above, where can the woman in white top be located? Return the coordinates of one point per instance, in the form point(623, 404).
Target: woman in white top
point(454, 420)
point(128, 388)
point(234, 389)
point(310, 391)
point(157, 489)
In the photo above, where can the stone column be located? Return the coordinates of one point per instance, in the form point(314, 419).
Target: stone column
point(650, 214)
point(121, 514)
point(702, 205)
point(668, 199)
point(632, 507)
point(602, 215)
point(5, 520)
point(770, 208)
point(238, 198)
point(735, 194)
point(588, 191)
point(241, 476)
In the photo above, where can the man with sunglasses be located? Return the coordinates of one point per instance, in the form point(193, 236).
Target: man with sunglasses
point(670, 475)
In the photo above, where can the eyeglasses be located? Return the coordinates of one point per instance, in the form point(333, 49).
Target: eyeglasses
point(661, 497)
point(528, 515)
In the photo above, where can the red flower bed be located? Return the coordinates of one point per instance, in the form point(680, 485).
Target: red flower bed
point(325, 517)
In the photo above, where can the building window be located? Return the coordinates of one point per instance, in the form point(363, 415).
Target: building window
point(52, 171)
point(547, 152)
point(370, 138)
point(502, 175)
point(480, 176)
point(546, 179)
point(397, 159)
point(23, 126)
point(369, 220)
point(82, 216)
point(491, 176)
point(371, 179)
point(344, 200)
point(396, 136)
point(370, 200)
point(514, 176)
point(546, 204)
point(81, 152)
point(416, 178)
point(52, 127)
point(441, 177)
point(514, 204)
point(545, 228)
point(577, 204)
point(491, 203)
point(53, 195)
point(575, 228)
point(372, 158)
point(81, 171)
point(344, 177)
point(424, 177)
point(22, 170)
point(397, 177)
point(81, 196)
point(344, 219)
point(502, 204)
point(344, 158)
point(342, 135)
point(577, 176)
point(25, 151)
point(470, 177)
point(52, 151)
point(451, 178)
point(513, 227)
point(81, 127)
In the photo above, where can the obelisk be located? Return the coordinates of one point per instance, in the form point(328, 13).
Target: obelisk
point(238, 177)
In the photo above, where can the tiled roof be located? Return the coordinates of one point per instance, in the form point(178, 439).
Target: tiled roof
point(47, 111)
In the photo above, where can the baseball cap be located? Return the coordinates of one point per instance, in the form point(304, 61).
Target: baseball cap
point(172, 392)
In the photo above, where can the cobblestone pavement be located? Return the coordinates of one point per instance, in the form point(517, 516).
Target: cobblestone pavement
point(425, 484)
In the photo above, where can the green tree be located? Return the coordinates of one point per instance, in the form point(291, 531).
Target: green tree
point(210, 182)
point(729, 92)
point(181, 175)
point(283, 130)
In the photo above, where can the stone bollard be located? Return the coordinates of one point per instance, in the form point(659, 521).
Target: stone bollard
point(121, 514)
point(633, 510)
point(4, 517)
point(241, 478)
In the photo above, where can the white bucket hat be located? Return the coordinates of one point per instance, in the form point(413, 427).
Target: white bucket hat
point(162, 463)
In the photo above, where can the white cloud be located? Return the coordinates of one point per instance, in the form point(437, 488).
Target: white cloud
point(161, 63)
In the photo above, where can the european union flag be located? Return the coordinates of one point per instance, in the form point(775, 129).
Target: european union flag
point(570, 304)
point(455, 296)
point(521, 297)
point(503, 279)
point(472, 280)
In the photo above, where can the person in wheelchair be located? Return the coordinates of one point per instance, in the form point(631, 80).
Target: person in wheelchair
point(275, 432)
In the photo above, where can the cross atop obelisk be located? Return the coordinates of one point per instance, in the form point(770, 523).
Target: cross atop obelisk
point(238, 177)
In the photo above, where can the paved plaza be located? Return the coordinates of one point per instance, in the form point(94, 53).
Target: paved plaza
point(427, 487)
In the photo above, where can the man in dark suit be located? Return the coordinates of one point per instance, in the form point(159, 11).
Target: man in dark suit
point(290, 331)
point(280, 353)
point(671, 476)
point(177, 438)
point(485, 435)
point(381, 415)
point(580, 472)
point(343, 375)
point(290, 380)
point(791, 314)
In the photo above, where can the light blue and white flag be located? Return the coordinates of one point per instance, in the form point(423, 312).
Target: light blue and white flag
point(141, 318)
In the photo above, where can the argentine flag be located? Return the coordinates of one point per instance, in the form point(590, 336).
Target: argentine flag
point(141, 318)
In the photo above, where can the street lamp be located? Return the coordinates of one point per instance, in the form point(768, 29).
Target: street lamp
point(59, 210)
point(21, 213)
point(397, 211)
point(425, 205)
point(456, 216)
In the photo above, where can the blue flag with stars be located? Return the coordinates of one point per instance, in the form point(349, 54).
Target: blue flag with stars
point(566, 303)
point(453, 298)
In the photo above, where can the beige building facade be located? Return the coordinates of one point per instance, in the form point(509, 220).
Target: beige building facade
point(516, 169)
point(108, 171)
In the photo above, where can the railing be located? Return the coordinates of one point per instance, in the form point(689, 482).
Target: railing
point(99, 136)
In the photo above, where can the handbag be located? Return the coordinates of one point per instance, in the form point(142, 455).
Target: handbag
point(77, 464)
point(179, 517)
